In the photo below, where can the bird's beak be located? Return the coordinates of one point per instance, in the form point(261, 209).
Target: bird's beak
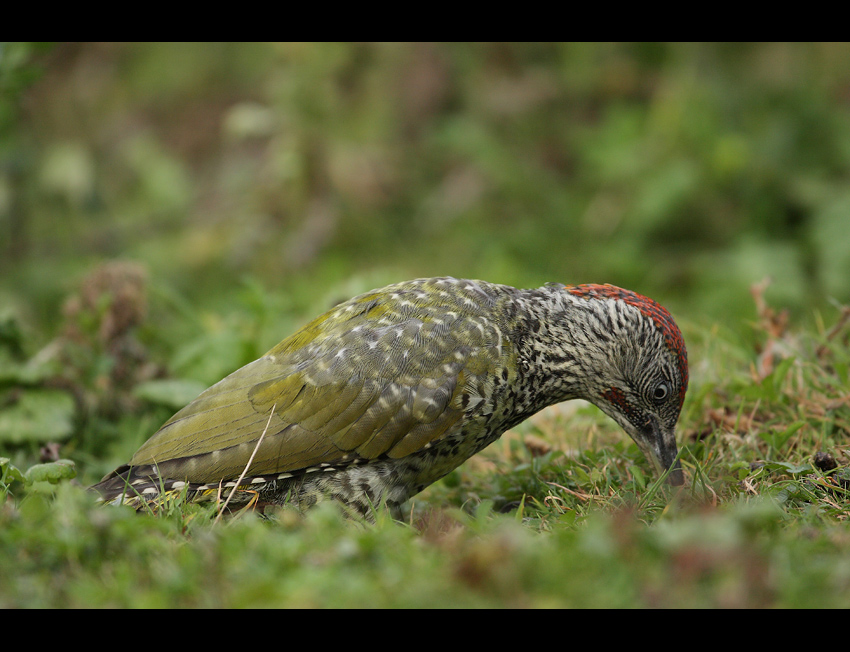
point(661, 449)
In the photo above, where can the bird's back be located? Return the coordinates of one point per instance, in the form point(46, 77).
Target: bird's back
point(383, 377)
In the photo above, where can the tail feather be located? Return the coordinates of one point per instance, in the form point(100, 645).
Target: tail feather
point(135, 485)
point(141, 485)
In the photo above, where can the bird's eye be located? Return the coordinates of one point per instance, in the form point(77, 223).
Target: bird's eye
point(661, 391)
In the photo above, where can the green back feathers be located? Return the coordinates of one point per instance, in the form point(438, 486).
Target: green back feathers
point(384, 373)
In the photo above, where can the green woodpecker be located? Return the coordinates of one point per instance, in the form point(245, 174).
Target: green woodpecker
point(389, 391)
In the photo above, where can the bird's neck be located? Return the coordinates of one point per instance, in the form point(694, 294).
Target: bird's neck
point(562, 346)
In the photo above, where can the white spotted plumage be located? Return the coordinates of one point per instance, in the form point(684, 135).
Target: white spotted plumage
point(391, 390)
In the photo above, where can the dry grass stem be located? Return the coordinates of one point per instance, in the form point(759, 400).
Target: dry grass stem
point(247, 466)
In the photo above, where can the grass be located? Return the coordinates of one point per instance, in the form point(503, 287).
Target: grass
point(523, 163)
point(562, 512)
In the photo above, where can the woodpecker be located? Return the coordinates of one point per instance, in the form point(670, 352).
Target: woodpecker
point(389, 391)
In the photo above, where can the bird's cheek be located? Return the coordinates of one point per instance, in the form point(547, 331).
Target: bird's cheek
point(624, 412)
point(615, 396)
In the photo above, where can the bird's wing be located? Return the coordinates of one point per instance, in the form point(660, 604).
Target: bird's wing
point(357, 382)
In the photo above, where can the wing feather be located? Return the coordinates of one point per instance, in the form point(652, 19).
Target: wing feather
point(367, 381)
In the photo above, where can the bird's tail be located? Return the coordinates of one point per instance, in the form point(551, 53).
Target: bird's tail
point(141, 486)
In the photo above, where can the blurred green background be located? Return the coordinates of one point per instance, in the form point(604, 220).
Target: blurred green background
point(684, 171)
point(248, 187)
point(168, 212)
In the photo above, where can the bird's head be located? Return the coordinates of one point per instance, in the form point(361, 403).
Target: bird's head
point(637, 368)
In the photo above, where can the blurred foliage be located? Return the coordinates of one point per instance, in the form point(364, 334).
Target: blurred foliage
point(68, 553)
point(687, 171)
point(168, 212)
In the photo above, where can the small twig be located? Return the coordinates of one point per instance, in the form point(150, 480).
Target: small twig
point(582, 497)
point(836, 403)
point(247, 466)
point(843, 318)
point(552, 499)
point(713, 494)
